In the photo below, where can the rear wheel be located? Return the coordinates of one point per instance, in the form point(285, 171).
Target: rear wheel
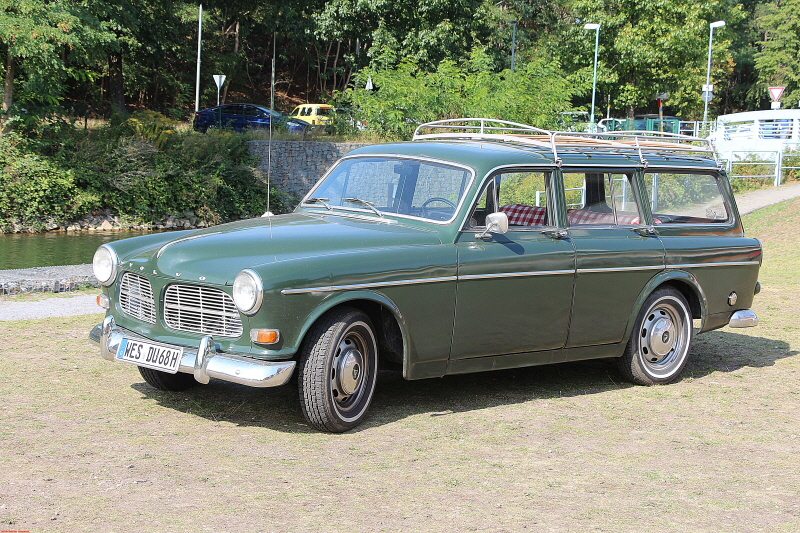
point(165, 381)
point(659, 345)
point(338, 369)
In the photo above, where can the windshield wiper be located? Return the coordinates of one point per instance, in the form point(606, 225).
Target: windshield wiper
point(364, 203)
point(319, 201)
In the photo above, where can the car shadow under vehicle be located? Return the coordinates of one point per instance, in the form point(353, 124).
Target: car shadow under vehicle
point(395, 399)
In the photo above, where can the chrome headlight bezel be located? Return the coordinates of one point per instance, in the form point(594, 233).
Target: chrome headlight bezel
point(248, 292)
point(104, 265)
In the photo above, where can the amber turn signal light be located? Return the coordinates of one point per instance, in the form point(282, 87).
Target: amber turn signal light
point(265, 336)
point(102, 301)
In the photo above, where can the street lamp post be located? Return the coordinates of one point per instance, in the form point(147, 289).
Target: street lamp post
point(513, 41)
point(707, 88)
point(596, 28)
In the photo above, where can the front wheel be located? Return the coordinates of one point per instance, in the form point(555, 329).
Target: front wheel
point(165, 381)
point(659, 345)
point(338, 369)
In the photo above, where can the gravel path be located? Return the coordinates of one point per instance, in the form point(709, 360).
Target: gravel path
point(67, 278)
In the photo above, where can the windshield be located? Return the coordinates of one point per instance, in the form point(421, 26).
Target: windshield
point(421, 189)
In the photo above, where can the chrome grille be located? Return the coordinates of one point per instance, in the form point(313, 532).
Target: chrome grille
point(201, 310)
point(136, 297)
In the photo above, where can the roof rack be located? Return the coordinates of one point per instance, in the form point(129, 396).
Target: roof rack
point(488, 129)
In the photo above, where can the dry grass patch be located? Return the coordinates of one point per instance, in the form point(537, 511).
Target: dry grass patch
point(87, 446)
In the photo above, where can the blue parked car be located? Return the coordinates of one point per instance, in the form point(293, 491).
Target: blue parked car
point(239, 117)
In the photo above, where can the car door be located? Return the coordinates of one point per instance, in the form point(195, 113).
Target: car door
point(232, 116)
point(515, 289)
point(617, 254)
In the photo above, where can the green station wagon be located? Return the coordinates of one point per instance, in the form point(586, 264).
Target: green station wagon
point(479, 245)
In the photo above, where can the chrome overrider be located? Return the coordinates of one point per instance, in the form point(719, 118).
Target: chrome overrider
point(744, 318)
point(205, 362)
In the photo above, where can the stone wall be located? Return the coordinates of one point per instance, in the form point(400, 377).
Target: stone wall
point(297, 165)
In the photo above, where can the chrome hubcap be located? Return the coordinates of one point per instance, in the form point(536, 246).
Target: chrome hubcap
point(349, 367)
point(662, 336)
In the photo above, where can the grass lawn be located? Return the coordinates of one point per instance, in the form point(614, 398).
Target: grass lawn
point(86, 445)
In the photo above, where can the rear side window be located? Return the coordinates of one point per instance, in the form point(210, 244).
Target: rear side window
point(685, 198)
point(600, 199)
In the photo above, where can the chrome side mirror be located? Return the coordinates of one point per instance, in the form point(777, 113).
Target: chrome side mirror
point(495, 223)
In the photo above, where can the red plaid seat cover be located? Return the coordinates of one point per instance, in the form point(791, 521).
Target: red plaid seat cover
point(525, 215)
point(582, 216)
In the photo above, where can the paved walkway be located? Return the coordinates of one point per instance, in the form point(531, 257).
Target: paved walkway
point(56, 279)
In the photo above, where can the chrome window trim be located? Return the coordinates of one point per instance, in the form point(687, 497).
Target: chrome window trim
point(467, 187)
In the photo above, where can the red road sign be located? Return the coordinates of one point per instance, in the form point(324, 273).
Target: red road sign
point(775, 93)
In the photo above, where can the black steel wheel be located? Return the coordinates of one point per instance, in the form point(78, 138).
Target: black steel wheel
point(165, 381)
point(659, 345)
point(338, 369)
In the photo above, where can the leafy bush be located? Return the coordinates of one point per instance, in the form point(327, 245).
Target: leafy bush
point(533, 94)
point(34, 188)
point(141, 168)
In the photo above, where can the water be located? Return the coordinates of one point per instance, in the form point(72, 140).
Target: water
point(55, 248)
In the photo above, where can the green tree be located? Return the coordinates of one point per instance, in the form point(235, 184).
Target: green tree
point(534, 94)
point(43, 45)
point(778, 61)
point(649, 47)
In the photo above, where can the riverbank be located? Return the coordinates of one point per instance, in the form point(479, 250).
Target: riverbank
point(46, 279)
point(105, 220)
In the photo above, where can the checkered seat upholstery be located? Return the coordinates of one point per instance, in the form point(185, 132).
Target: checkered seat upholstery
point(582, 216)
point(525, 215)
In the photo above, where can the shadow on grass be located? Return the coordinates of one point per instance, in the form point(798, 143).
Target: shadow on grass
point(395, 398)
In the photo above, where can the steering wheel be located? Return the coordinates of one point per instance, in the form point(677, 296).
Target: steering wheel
point(424, 205)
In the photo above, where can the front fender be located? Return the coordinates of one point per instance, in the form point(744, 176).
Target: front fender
point(343, 298)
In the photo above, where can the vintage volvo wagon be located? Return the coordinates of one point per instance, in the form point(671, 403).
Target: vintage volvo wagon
point(479, 245)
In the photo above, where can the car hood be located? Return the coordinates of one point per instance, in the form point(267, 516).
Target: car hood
point(215, 255)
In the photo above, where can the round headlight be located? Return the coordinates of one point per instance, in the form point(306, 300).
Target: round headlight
point(104, 265)
point(247, 291)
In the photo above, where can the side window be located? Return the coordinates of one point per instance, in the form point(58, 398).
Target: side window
point(597, 199)
point(522, 196)
point(685, 198)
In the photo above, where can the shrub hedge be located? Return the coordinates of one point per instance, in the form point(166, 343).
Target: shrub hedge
point(141, 168)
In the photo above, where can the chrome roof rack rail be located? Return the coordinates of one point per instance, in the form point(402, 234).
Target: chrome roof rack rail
point(637, 141)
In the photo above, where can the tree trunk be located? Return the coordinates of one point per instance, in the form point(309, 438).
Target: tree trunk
point(116, 85)
point(8, 89)
point(235, 51)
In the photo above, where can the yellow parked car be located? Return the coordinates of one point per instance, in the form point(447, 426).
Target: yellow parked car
point(313, 114)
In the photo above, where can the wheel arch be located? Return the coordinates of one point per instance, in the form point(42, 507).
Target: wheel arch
point(680, 280)
point(387, 320)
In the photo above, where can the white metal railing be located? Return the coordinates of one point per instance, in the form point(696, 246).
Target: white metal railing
point(771, 161)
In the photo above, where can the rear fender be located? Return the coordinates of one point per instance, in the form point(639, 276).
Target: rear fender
point(672, 277)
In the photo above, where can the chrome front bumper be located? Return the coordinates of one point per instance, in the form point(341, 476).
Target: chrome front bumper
point(205, 362)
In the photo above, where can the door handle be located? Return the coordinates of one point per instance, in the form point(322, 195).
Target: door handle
point(645, 231)
point(556, 233)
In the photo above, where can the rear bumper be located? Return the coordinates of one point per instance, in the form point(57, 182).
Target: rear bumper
point(744, 318)
point(205, 361)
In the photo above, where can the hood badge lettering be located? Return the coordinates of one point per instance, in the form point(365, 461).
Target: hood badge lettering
point(202, 278)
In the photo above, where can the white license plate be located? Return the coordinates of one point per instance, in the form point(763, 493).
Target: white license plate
point(151, 355)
